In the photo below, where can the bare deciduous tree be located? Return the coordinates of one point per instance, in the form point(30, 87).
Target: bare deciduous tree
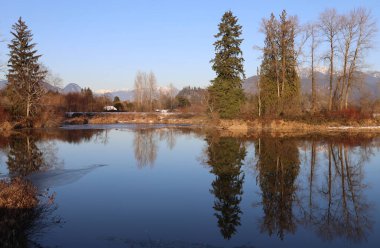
point(139, 90)
point(171, 92)
point(145, 90)
point(329, 25)
point(152, 89)
point(357, 33)
point(312, 33)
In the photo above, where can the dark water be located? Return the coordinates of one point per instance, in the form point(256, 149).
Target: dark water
point(142, 186)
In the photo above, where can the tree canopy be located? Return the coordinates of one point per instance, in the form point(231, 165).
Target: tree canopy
point(226, 94)
point(25, 75)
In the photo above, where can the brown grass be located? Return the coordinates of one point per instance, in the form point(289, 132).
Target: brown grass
point(21, 213)
point(17, 194)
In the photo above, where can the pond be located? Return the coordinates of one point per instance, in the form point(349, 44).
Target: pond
point(165, 186)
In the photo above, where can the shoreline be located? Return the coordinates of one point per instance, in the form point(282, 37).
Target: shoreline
point(234, 125)
point(205, 122)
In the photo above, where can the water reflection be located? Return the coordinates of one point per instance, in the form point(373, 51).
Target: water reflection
point(338, 207)
point(169, 135)
point(331, 201)
point(225, 156)
point(26, 208)
point(145, 147)
point(24, 157)
point(24, 214)
point(145, 143)
point(278, 166)
point(315, 185)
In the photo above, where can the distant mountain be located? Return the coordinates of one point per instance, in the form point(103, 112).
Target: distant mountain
point(71, 88)
point(124, 95)
point(369, 81)
point(250, 85)
point(47, 86)
point(128, 94)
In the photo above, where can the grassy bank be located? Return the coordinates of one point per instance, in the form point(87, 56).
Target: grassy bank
point(238, 125)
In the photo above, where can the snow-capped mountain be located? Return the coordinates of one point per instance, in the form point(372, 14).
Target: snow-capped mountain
point(167, 89)
point(375, 74)
point(128, 94)
point(123, 94)
point(71, 88)
point(305, 72)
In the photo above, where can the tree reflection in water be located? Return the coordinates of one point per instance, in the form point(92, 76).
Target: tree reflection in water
point(225, 156)
point(27, 211)
point(278, 166)
point(341, 209)
point(24, 157)
point(145, 146)
point(146, 140)
point(331, 201)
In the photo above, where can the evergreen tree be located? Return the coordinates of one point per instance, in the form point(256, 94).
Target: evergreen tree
point(226, 94)
point(290, 81)
point(269, 71)
point(25, 74)
point(117, 103)
point(280, 83)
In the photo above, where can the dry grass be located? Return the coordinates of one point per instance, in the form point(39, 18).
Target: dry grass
point(17, 194)
point(319, 123)
point(156, 118)
point(19, 212)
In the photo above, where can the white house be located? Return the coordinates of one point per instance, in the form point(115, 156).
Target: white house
point(110, 108)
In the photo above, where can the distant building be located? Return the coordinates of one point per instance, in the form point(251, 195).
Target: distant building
point(162, 111)
point(110, 108)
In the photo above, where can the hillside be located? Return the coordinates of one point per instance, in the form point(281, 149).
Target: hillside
point(369, 83)
point(71, 88)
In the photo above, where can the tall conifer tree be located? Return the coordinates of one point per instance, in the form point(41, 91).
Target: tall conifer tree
point(226, 94)
point(25, 75)
point(279, 80)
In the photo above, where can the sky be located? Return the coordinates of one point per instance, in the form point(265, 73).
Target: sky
point(102, 44)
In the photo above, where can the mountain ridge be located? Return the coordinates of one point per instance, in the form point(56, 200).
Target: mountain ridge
point(371, 81)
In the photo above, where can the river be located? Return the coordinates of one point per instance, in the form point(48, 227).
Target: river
point(176, 186)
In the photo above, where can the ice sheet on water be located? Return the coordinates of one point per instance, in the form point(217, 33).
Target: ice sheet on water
point(60, 177)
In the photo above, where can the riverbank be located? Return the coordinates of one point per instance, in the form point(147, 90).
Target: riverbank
point(240, 126)
point(202, 120)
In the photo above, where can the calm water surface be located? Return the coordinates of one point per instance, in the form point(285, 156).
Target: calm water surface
point(156, 186)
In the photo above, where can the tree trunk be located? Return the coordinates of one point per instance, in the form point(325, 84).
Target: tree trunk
point(313, 93)
point(331, 74)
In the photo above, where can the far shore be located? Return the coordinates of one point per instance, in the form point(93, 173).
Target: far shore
point(235, 125)
point(205, 122)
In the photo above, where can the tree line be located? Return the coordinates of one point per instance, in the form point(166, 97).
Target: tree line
point(29, 100)
point(340, 41)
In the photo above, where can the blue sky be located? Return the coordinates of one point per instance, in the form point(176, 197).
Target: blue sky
point(102, 44)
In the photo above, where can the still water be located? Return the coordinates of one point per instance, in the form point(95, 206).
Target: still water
point(160, 186)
